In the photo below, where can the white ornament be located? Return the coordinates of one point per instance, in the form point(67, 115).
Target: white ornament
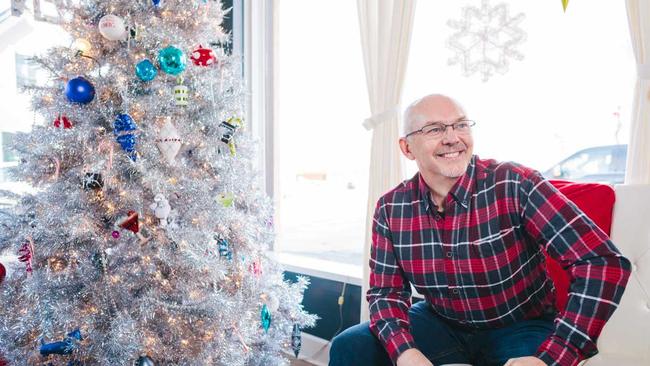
point(169, 141)
point(485, 40)
point(180, 95)
point(112, 28)
point(161, 209)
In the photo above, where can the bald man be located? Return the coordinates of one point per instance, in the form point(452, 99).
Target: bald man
point(469, 235)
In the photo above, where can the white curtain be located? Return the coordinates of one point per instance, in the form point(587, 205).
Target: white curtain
point(385, 37)
point(638, 151)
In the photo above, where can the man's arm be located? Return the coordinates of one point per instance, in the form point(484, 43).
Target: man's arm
point(389, 296)
point(597, 270)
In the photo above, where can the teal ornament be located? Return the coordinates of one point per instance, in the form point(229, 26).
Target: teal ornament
point(224, 247)
point(266, 318)
point(145, 70)
point(172, 60)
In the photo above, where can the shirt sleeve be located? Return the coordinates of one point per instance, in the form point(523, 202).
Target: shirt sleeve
point(597, 271)
point(389, 295)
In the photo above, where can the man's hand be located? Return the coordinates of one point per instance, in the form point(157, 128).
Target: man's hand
point(524, 361)
point(413, 357)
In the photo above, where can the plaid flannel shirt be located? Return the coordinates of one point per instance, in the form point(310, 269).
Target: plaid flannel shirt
point(481, 265)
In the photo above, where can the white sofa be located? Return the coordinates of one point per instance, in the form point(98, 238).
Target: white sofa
point(625, 340)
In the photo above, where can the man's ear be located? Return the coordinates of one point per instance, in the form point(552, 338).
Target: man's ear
point(406, 149)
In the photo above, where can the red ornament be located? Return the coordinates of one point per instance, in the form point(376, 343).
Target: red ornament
point(131, 222)
point(26, 253)
point(3, 274)
point(62, 122)
point(203, 56)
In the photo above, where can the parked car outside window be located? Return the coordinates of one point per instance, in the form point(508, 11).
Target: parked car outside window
point(599, 164)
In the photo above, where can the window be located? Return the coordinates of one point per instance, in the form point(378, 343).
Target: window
point(603, 164)
point(572, 91)
point(322, 149)
point(28, 73)
point(26, 38)
point(5, 9)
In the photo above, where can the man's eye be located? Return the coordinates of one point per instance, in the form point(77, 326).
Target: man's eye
point(434, 130)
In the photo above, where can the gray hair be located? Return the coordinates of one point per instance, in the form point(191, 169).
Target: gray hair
point(412, 118)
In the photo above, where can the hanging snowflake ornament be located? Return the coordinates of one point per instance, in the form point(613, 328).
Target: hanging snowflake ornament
point(486, 39)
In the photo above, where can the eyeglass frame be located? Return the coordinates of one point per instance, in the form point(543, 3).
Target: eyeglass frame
point(470, 122)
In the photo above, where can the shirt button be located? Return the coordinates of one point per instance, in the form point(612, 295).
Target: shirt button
point(455, 291)
point(450, 254)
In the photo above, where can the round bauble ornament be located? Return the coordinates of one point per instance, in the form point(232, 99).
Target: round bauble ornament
point(79, 90)
point(145, 70)
point(172, 60)
point(112, 28)
point(3, 273)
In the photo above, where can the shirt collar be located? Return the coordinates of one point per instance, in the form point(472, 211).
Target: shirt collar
point(461, 190)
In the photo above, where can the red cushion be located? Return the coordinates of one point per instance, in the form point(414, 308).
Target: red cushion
point(597, 202)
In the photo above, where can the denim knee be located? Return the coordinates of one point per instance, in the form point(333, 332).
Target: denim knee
point(357, 346)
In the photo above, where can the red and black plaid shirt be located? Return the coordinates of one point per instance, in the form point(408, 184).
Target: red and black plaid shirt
point(481, 264)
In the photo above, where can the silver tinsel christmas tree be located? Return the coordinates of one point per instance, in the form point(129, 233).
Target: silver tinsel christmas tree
point(145, 241)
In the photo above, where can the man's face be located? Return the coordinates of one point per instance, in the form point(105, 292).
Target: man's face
point(444, 156)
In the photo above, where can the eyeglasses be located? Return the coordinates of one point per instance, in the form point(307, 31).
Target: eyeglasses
point(437, 129)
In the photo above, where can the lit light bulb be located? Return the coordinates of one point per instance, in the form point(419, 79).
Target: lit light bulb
point(82, 45)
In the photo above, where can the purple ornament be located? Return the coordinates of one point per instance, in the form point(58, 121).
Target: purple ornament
point(116, 234)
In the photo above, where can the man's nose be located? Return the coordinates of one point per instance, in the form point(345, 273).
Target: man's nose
point(449, 136)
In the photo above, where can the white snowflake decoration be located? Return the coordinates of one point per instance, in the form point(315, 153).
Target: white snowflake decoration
point(485, 40)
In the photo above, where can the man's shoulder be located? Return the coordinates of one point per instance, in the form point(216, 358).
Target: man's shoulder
point(404, 191)
point(504, 170)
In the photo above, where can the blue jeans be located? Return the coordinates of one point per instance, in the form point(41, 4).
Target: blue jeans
point(444, 343)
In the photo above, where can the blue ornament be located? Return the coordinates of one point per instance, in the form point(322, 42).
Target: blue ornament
point(79, 90)
point(124, 126)
point(155, 2)
point(266, 318)
point(172, 60)
point(145, 70)
point(64, 347)
point(224, 247)
point(144, 361)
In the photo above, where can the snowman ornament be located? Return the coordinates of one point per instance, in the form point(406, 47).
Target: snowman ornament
point(161, 209)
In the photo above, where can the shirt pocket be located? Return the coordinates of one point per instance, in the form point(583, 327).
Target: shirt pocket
point(496, 245)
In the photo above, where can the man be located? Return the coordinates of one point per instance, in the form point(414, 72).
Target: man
point(468, 234)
